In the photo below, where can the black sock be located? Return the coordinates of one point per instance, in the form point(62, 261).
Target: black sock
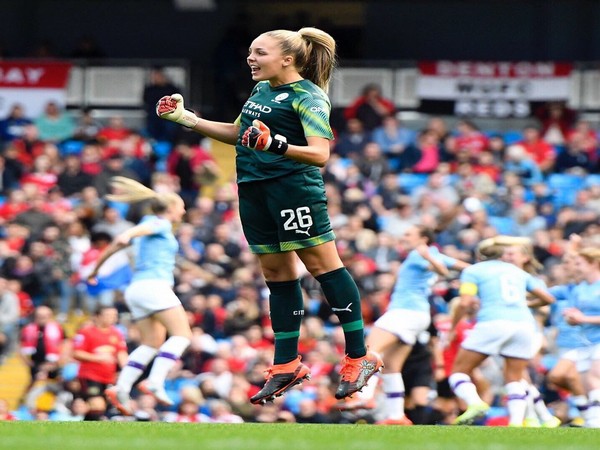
point(286, 308)
point(342, 295)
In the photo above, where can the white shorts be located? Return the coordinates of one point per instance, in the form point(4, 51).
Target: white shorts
point(582, 356)
point(503, 338)
point(146, 297)
point(404, 323)
point(538, 341)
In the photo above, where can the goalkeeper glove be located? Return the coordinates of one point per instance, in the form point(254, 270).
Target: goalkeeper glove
point(171, 108)
point(258, 137)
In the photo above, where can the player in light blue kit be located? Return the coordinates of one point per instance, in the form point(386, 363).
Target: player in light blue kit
point(408, 315)
point(505, 327)
point(585, 312)
point(571, 346)
point(150, 296)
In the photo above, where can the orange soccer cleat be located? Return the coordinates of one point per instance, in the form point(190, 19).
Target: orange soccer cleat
point(402, 421)
point(281, 378)
point(356, 372)
point(119, 400)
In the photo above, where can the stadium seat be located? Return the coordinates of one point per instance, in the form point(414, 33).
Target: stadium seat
point(409, 181)
point(512, 137)
point(123, 208)
point(161, 149)
point(71, 147)
point(503, 225)
point(564, 188)
point(592, 180)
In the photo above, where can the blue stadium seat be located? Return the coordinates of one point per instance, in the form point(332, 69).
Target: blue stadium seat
point(161, 149)
point(565, 187)
point(592, 180)
point(71, 147)
point(512, 137)
point(503, 225)
point(123, 208)
point(409, 181)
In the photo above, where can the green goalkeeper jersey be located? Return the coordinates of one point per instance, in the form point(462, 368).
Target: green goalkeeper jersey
point(297, 110)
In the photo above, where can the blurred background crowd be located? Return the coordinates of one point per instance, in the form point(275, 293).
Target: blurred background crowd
point(383, 176)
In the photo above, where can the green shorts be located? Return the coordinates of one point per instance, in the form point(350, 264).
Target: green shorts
point(285, 214)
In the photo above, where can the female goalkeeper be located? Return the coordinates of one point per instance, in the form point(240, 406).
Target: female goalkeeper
point(281, 139)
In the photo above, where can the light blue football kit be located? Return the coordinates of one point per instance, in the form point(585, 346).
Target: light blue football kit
point(151, 289)
point(408, 313)
point(155, 253)
point(414, 281)
point(505, 325)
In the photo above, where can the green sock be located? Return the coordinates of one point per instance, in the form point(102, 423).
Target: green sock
point(287, 309)
point(342, 295)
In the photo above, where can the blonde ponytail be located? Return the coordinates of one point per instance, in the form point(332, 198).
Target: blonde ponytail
point(131, 191)
point(313, 51)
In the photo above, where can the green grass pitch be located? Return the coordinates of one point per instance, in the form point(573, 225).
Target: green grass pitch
point(151, 436)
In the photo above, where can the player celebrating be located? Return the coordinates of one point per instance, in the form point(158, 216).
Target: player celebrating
point(505, 327)
point(408, 315)
point(150, 296)
point(586, 313)
point(281, 139)
point(520, 253)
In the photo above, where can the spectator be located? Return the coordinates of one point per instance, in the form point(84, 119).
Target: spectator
point(308, 412)
point(397, 220)
point(527, 221)
point(87, 127)
point(112, 167)
point(538, 149)
point(470, 138)
point(556, 119)
point(394, 140)
point(473, 184)
point(428, 146)
point(158, 86)
point(189, 247)
point(13, 125)
point(9, 319)
point(41, 344)
point(26, 148)
point(195, 167)
point(584, 131)
point(9, 180)
point(438, 189)
point(42, 176)
point(220, 412)
point(576, 157)
point(112, 222)
point(55, 124)
point(352, 140)
point(113, 134)
point(58, 253)
point(370, 107)
point(72, 180)
point(372, 164)
point(35, 218)
point(519, 162)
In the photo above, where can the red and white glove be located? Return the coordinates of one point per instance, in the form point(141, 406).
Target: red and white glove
point(258, 137)
point(171, 107)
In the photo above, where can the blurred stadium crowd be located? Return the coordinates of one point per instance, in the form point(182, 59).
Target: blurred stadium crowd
point(468, 184)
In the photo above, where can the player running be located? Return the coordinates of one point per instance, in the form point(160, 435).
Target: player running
point(505, 327)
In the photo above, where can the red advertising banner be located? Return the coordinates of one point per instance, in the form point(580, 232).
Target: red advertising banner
point(491, 89)
point(32, 84)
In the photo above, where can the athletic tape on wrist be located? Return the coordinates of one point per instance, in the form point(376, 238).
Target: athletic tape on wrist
point(279, 145)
